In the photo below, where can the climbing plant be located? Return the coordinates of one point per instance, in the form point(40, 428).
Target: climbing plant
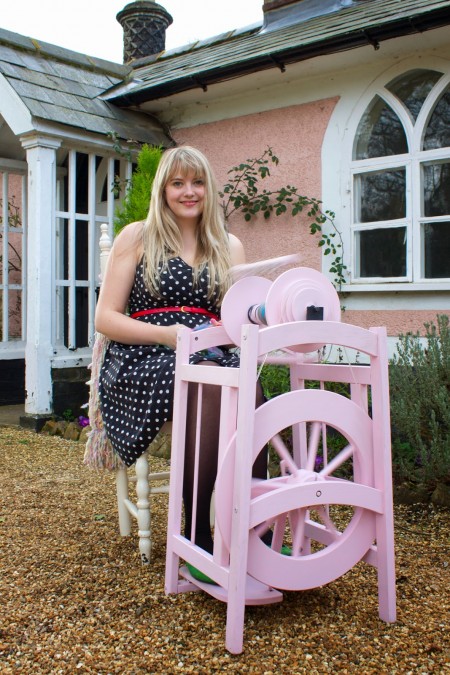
point(243, 193)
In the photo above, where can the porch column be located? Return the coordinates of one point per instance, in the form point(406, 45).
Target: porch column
point(41, 159)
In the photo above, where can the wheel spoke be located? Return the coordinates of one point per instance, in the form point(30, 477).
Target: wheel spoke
point(284, 454)
point(337, 461)
point(297, 521)
point(313, 444)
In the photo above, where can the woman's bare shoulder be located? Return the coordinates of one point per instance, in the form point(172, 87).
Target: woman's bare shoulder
point(129, 240)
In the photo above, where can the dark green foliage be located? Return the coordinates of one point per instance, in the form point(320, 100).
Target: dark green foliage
point(275, 380)
point(420, 405)
point(137, 199)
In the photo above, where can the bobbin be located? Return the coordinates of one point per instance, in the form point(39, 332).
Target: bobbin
point(296, 295)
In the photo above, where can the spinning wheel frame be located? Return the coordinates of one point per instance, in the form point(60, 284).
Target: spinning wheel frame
point(291, 497)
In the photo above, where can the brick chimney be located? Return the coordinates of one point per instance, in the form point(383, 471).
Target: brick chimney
point(144, 26)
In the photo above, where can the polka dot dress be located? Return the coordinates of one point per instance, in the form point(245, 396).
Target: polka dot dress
point(136, 381)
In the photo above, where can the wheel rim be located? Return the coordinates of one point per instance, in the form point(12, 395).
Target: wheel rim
point(299, 506)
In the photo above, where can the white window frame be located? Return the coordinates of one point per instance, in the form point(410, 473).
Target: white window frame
point(339, 170)
point(13, 349)
point(98, 212)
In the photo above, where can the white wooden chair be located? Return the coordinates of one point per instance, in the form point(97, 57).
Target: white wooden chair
point(140, 473)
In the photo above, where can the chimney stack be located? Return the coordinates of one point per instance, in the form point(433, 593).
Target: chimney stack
point(144, 26)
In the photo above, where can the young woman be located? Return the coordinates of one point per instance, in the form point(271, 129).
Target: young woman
point(172, 269)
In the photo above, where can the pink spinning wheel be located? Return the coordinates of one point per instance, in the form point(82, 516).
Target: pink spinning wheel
point(326, 515)
point(285, 300)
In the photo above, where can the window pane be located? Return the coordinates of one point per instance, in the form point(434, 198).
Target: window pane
point(382, 252)
point(437, 247)
point(381, 195)
point(437, 134)
point(14, 258)
point(380, 132)
point(81, 317)
point(81, 251)
point(412, 88)
point(15, 315)
point(81, 189)
point(436, 197)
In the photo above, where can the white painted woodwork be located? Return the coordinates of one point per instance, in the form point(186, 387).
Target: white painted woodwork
point(41, 158)
point(339, 194)
point(9, 168)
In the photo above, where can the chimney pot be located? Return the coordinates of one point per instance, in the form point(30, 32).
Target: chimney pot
point(144, 26)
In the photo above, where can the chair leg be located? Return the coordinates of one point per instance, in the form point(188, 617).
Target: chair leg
point(122, 495)
point(143, 508)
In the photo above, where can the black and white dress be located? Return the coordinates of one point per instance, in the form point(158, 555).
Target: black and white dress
point(137, 381)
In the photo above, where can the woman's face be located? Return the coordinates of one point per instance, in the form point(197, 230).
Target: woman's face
point(185, 195)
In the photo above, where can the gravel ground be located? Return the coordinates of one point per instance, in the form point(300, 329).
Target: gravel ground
point(74, 597)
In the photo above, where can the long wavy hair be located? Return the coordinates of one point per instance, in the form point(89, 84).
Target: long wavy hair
point(161, 234)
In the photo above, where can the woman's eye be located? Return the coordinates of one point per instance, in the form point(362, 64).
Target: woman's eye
point(199, 181)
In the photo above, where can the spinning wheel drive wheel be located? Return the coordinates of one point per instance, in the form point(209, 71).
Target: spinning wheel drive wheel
point(300, 506)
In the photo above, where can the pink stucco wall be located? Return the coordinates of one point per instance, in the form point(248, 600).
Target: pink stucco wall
point(396, 321)
point(296, 135)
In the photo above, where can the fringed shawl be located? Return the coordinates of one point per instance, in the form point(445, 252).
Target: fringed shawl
point(99, 453)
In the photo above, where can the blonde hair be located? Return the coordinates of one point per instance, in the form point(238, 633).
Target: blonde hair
point(161, 235)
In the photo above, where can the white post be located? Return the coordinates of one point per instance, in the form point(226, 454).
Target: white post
point(105, 245)
point(41, 159)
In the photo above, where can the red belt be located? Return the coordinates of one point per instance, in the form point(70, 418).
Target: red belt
point(184, 309)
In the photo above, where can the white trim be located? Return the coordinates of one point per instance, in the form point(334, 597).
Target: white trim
point(339, 168)
point(13, 110)
point(10, 351)
point(13, 166)
point(64, 358)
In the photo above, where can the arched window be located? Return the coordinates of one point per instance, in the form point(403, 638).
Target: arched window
point(400, 172)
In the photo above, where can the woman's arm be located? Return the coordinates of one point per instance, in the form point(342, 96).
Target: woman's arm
point(236, 250)
point(110, 318)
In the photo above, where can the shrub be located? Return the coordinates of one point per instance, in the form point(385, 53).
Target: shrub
point(137, 199)
point(420, 406)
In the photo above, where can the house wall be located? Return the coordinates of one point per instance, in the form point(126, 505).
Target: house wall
point(295, 134)
point(295, 115)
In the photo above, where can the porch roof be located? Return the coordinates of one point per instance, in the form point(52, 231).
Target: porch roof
point(238, 53)
point(60, 86)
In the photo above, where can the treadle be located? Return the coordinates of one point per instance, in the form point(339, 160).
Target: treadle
point(256, 593)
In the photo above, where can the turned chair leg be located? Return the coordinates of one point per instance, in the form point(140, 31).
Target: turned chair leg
point(122, 497)
point(143, 508)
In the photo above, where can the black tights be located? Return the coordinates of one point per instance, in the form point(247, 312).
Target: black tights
point(209, 441)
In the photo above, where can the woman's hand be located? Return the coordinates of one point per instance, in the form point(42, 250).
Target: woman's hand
point(169, 335)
